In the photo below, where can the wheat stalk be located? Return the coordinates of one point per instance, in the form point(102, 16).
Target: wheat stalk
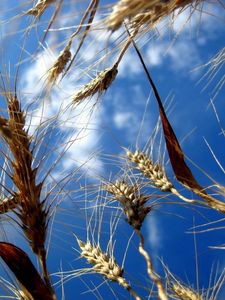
point(133, 202)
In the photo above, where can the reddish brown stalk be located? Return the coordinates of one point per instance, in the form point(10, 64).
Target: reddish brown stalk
point(19, 263)
point(181, 170)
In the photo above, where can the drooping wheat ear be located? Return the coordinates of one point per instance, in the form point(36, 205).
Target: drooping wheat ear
point(31, 211)
point(155, 172)
point(141, 12)
point(184, 292)
point(132, 201)
point(39, 8)
point(59, 64)
point(97, 85)
point(104, 264)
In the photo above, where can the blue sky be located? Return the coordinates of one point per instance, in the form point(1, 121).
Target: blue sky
point(123, 117)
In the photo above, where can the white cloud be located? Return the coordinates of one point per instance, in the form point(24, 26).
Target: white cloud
point(122, 119)
point(154, 235)
point(155, 54)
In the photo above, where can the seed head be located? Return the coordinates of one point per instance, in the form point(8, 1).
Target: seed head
point(184, 292)
point(102, 262)
point(152, 171)
point(97, 85)
point(132, 201)
point(60, 64)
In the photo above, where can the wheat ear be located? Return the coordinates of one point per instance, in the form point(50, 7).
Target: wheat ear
point(105, 264)
point(97, 85)
point(154, 172)
point(132, 201)
point(184, 292)
point(31, 211)
point(141, 12)
point(59, 64)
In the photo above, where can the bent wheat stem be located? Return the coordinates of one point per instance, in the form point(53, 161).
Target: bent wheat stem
point(153, 276)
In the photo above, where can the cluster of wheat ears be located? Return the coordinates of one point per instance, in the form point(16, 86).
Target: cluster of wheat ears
point(30, 196)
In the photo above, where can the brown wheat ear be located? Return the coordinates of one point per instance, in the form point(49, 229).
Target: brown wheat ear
point(97, 85)
point(39, 8)
point(132, 201)
point(31, 210)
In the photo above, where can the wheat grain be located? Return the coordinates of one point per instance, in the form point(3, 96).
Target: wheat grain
point(156, 174)
point(4, 128)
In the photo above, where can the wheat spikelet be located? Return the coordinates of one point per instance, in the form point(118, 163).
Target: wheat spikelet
point(8, 204)
point(97, 85)
point(141, 12)
point(152, 171)
point(60, 64)
point(132, 201)
point(184, 292)
point(39, 8)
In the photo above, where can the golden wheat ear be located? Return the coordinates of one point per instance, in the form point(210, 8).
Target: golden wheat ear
point(143, 14)
point(105, 264)
point(60, 64)
point(97, 85)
